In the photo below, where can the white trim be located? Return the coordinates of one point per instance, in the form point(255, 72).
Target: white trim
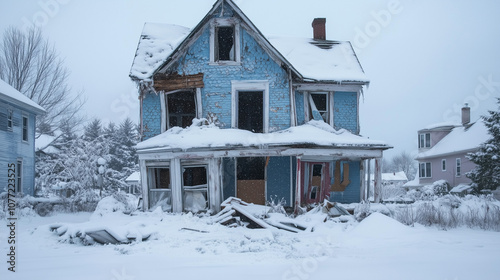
point(249, 85)
point(176, 184)
point(306, 106)
point(199, 109)
point(164, 112)
point(331, 108)
point(327, 87)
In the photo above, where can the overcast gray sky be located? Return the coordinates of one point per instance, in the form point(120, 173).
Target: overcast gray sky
point(425, 58)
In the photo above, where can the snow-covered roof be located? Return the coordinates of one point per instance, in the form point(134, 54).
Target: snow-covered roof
point(156, 44)
point(199, 135)
point(394, 176)
point(460, 139)
point(8, 93)
point(333, 61)
point(134, 177)
point(321, 60)
point(444, 125)
point(461, 188)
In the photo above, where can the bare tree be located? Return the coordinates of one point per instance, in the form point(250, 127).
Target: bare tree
point(402, 162)
point(31, 65)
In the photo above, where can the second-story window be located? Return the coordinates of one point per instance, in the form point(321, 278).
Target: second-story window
point(181, 108)
point(225, 42)
point(9, 119)
point(25, 128)
point(319, 105)
point(424, 140)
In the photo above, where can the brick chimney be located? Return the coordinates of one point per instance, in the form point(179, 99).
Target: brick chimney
point(465, 114)
point(319, 28)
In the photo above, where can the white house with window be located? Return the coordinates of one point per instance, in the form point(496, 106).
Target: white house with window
point(443, 148)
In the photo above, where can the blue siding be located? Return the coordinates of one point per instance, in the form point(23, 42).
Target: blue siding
point(13, 148)
point(228, 178)
point(256, 64)
point(278, 179)
point(352, 192)
point(346, 111)
point(151, 115)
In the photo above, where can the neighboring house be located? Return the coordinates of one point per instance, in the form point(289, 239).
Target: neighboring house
point(226, 111)
point(133, 181)
point(17, 138)
point(394, 178)
point(44, 145)
point(443, 149)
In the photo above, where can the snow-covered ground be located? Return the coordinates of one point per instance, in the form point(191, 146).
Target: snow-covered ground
point(376, 248)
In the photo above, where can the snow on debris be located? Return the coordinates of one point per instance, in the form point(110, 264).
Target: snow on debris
point(336, 63)
point(11, 93)
point(200, 135)
point(459, 139)
point(157, 43)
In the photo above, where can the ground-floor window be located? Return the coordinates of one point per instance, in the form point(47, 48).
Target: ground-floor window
point(425, 170)
point(195, 188)
point(160, 191)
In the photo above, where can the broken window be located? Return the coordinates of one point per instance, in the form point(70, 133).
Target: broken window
point(181, 108)
point(160, 191)
point(318, 106)
point(224, 50)
point(195, 187)
point(251, 111)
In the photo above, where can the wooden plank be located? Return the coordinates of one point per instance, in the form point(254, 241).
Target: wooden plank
point(378, 180)
point(172, 82)
point(252, 191)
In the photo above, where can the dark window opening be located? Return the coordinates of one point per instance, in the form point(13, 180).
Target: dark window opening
point(251, 111)
point(321, 103)
point(19, 176)
point(225, 43)
point(251, 168)
point(161, 178)
point(317, 170)
point(25, 129)
point(9, 119)
point(181, 109)
point(195, 176)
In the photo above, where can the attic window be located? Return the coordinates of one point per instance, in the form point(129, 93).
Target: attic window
point(225, 42)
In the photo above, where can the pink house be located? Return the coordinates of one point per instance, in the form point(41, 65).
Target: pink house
point(442, 150)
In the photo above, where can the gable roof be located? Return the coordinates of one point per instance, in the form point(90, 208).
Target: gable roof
point(12, 95)
point(460, 140)
point(308, 59)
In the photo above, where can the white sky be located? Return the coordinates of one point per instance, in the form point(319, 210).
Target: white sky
point(424, 61)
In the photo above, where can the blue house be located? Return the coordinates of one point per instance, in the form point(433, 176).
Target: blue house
point(17, 139)
point(226, 111)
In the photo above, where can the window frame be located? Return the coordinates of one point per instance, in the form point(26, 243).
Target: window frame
point(25, 129)
point(249, 86)
point(425, 170)
point(225, 22)
point(165, 119)
point(458, 167)
point(424, 140)
point(443, 165)
point(19, 176)
point(197, 188)
point(10, 119)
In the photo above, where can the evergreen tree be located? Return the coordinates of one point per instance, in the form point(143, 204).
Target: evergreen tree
point(486, 175)
point(93, 130)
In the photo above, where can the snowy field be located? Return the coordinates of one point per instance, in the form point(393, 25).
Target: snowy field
point(376, 248)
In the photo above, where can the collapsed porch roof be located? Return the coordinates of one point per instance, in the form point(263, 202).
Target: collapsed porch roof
point(206, 139)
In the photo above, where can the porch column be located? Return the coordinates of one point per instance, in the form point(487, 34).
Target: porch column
point(214, 184)
point(362, 175)
point(378, 180)
point(176, 183)
point(298, 184)
point(144, 185)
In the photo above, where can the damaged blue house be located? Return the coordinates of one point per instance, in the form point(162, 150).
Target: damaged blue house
point(226, 111)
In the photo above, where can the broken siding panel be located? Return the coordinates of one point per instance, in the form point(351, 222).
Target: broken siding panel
point(352, 192)
point(151, 115)
point(278, 179)
point(299, 101)
point(256, 64)
point(346, 111)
